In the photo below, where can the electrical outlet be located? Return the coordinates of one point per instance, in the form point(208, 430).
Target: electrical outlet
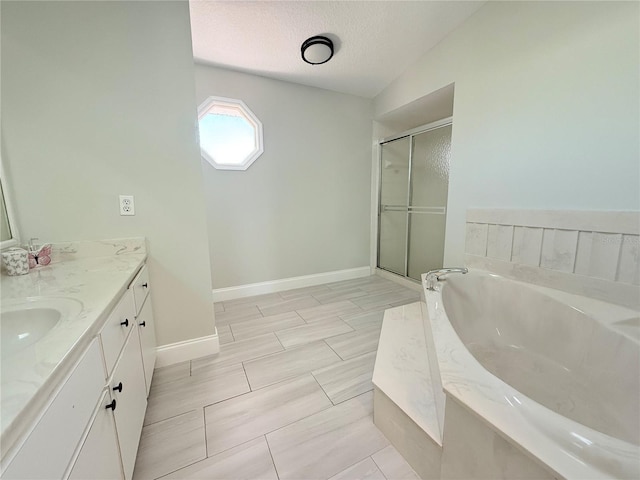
point(126, 205)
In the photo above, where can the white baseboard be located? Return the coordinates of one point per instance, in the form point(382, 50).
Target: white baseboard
point(187, 350)
point(230, 293)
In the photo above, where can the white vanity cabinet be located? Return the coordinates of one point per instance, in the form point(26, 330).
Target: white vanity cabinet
point(92, 426)
point(144, 319)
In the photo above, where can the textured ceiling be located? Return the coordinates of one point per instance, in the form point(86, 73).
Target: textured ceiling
point(375, 41)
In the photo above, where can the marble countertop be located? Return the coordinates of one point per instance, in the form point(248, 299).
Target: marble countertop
point(93, 275)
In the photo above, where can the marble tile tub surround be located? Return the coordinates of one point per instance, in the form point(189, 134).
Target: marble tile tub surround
point(272, 409)
point(474, 450)
point(411, 441)
point(402, 367)
point(595, 254)
point(563, 446)
point(93, 282)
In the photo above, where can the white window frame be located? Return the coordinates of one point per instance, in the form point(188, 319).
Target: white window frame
point(203, 110)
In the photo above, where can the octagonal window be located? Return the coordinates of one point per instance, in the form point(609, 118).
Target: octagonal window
point(230, 134)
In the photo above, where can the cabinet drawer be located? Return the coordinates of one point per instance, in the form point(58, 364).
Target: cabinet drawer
point(99, 457)
point(141, 288)
point(49, 448)
point(116, 330)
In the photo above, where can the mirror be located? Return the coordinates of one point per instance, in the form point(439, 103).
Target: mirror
point(8, 231)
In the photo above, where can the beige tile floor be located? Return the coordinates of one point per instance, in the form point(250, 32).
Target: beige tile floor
point(288, 397)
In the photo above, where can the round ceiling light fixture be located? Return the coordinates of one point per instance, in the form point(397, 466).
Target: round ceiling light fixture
point(317, 50)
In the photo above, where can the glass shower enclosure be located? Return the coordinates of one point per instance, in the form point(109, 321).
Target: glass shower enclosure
point(414, 182)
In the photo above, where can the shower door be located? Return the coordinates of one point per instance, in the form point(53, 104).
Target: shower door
point(428, 205)
point(394, 199)
point(414, 183)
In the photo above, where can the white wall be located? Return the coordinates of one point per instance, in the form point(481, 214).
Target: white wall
point(98, 100)
point(546, 111)
point(303, 206)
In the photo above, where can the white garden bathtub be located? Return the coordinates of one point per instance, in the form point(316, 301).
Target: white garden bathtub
point(555, 373)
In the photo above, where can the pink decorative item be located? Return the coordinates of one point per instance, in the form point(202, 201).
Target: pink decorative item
point(42, 256)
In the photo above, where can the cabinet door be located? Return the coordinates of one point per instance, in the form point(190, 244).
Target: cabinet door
point(50, 447)
point(128, 389)
point(99, 457)
point(147, 341)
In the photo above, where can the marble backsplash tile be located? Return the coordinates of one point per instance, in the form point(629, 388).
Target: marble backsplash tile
point(65, 251)
point(559, 249)
point(500, 242)
point(629, 268)
point(527, 245)
point(476, 239)
point(598, 254)
point(601, 248)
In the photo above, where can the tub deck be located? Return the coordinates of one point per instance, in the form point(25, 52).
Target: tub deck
point(405, 399)
point(402, 370)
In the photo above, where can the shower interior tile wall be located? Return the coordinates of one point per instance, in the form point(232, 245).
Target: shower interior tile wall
point(600, 246)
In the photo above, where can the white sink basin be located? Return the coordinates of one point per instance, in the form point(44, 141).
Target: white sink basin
point(27, 321)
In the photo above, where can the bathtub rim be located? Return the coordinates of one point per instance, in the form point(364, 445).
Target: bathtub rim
point(509, 412)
